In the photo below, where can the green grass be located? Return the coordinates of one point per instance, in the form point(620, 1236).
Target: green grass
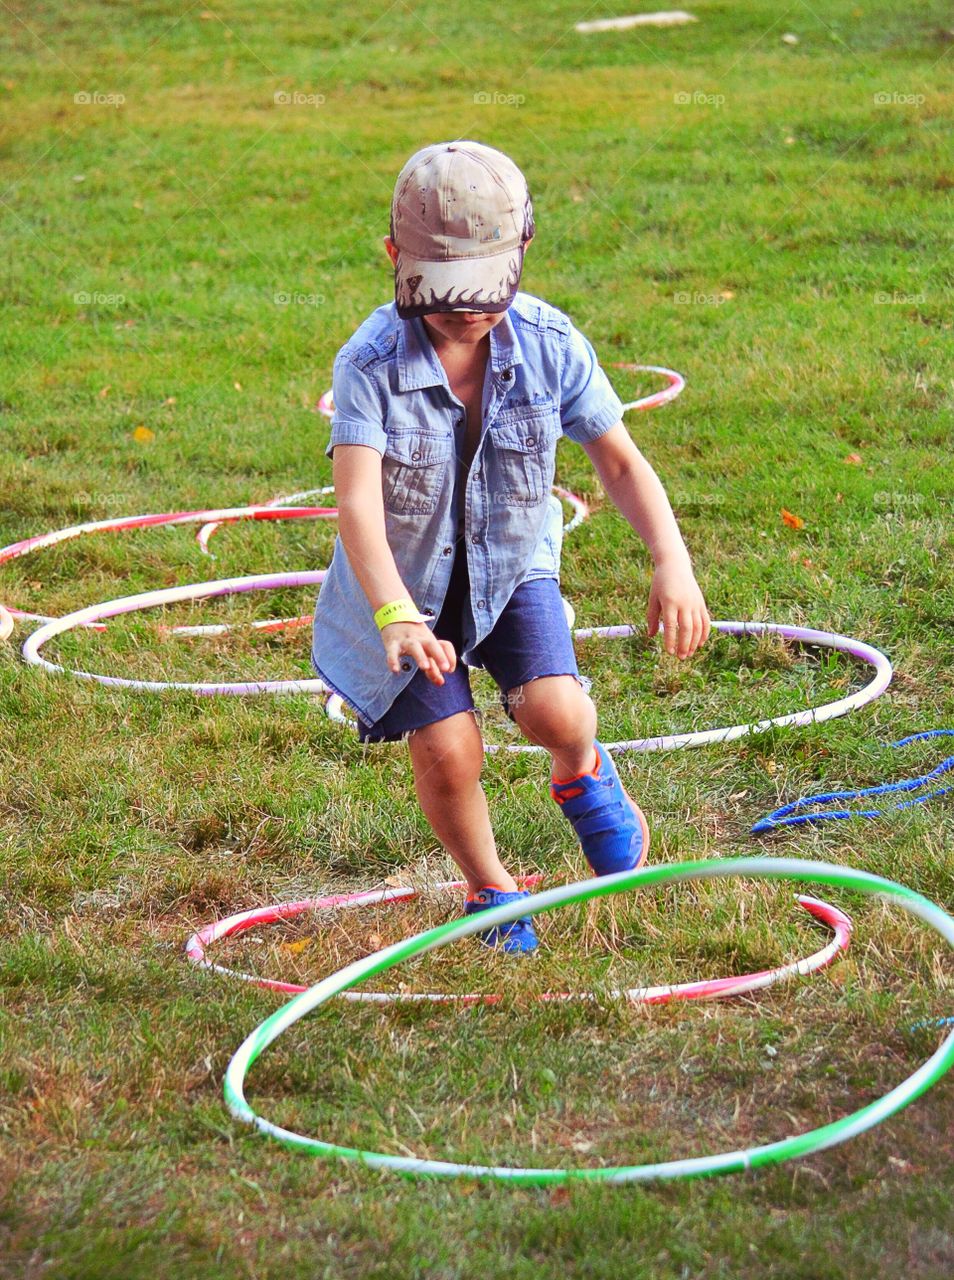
point(782, 238)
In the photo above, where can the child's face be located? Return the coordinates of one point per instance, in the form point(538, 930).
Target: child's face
point(465, 327)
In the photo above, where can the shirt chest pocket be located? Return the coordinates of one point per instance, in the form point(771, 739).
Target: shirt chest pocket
point(524, 443)
point(414, 471)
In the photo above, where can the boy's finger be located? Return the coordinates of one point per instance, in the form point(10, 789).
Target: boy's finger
point(670, 626)
point(451, 655)
point(652, 617)
point(415, 650)
point(425, 662)
point(696, 640)
point(438, 655)
point(689, 633)
point(435, 675)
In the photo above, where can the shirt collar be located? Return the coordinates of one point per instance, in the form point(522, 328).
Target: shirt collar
point(418, 365)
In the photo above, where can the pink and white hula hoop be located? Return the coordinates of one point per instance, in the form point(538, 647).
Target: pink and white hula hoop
point(676, 381)
point(676, 384)
point(317, 513)
point(336, 710)
point(175, 595)
point(196, 949)
point(580, 511)
point(6, 623)
point(224, 515)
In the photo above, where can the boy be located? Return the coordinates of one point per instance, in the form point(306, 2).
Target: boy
point(448, 406)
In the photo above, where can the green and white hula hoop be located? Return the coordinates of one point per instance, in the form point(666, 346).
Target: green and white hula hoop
point(804, 1144)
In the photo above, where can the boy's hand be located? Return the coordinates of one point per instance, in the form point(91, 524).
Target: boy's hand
point(416, 640)
point(675, 598)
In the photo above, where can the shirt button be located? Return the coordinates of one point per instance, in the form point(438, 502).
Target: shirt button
point(447, 551)
point(415, 457)
point(459, 422)
point(531, 440)
point(405, 665)
point(481, 604)
point(477, 473)
point(507, 375)
point(475, 538)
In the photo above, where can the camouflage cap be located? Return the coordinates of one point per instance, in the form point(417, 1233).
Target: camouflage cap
point(460, 217)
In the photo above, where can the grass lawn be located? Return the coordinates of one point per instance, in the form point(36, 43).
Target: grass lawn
point(192, 203)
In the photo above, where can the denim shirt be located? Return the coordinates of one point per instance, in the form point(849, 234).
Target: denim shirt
point(391, 392)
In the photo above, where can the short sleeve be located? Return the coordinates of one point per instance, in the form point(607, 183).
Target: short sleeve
point(358, 416)
point(588, 404)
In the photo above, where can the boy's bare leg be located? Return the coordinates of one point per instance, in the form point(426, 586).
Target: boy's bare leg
point(556, 712)
point(447, 758)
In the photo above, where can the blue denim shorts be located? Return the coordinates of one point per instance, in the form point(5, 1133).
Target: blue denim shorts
point(531, 638)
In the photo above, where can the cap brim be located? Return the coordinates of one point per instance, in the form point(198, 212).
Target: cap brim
point(487, 284)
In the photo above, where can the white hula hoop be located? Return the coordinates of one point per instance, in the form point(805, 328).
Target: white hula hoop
point(175, 595)
point(675, 741)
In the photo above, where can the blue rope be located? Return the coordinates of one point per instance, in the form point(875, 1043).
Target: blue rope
point(932, 1022)
point(788, 815)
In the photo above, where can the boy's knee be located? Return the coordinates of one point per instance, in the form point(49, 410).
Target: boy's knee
point(449, 754)
point(556, 709)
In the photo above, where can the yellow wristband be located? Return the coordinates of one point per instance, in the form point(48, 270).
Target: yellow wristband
point(398, 611)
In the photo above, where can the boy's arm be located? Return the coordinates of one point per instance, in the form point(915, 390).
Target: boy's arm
point(357, 479)
point(637, 493)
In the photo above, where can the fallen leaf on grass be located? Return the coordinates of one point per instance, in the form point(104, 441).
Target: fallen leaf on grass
point(793, 522)
point(854, 459)
point(295, 948)
point(143, 434)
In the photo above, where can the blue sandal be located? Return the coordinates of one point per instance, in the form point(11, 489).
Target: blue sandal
point(609, 824)
point(516, 936)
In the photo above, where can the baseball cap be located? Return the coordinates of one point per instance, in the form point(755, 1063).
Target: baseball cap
point(460, 217)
